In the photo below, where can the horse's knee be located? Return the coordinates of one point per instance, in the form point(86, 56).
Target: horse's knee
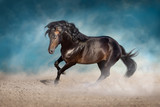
point(56, 65)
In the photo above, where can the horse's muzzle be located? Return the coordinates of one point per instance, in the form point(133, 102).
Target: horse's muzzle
point(51, 51)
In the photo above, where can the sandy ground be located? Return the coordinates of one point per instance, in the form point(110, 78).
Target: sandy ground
point(79, 90)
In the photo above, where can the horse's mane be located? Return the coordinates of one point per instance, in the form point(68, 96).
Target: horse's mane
point(69, 28)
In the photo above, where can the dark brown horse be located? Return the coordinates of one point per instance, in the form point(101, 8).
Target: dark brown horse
point(79, 48)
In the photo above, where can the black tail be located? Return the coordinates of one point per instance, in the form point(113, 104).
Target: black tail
point(130, 63)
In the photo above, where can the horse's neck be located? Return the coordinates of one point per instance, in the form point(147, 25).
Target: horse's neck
point(66, 42)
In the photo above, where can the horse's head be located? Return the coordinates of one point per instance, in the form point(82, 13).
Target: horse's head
point(57, 29)
point(54, 34)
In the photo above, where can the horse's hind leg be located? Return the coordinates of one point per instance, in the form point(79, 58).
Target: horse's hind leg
point(105, 70)
point(104, 67)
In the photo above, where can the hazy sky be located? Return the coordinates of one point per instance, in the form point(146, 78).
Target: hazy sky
point(134, 24)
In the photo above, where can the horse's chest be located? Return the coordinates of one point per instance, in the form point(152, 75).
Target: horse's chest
point(69, 52)
point(67, 55)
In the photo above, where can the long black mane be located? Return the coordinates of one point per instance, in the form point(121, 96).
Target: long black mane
point(68, 28)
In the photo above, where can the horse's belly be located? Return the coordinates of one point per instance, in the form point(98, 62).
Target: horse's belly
point(83, 61)
point(93, 58)
point(87, 62)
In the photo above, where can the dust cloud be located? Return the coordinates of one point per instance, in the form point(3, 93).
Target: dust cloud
point(79, 89)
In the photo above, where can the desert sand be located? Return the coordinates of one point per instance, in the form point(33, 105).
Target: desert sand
point(78, 89)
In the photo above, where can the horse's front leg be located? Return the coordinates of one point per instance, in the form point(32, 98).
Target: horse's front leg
point(66, 66)
point(56, 64)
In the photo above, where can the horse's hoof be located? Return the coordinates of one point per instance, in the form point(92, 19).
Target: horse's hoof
point(56, 82)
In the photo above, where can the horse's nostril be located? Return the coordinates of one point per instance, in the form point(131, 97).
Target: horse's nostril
point(51, 51)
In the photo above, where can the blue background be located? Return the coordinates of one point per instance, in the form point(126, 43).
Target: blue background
point(134, 24)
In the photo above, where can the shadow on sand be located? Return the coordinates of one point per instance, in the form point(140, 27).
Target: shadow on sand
point(47, 81)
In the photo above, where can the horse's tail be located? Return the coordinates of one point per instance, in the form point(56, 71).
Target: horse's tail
point(129, 62)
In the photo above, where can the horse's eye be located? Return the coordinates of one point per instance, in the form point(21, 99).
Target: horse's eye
point(51, 35)
point(53, 29)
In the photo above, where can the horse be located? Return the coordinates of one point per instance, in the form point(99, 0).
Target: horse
point(79, 48)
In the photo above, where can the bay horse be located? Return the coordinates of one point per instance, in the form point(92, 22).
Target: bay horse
point(79, 48)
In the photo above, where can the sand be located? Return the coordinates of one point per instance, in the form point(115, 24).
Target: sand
point(79, 90)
